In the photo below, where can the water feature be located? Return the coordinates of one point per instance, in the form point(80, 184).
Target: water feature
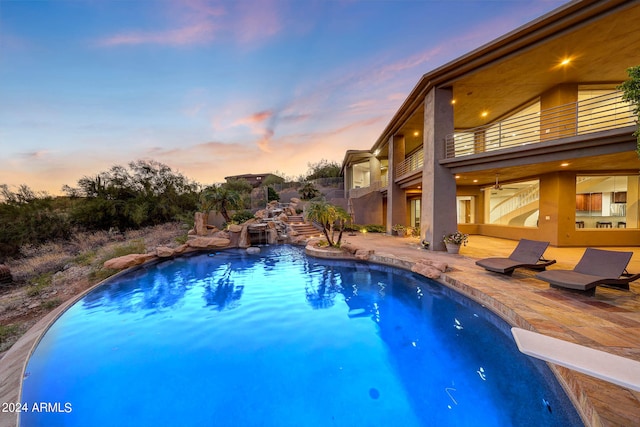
point(231, 339)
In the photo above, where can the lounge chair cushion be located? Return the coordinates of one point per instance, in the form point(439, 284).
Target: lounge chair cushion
point(526, 255)
point(570, 279)
point(603, 263)
point(528, 251)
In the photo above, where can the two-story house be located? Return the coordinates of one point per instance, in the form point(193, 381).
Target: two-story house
point(524, 137)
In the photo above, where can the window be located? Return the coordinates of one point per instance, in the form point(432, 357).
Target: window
point(465, 209)
point(414, 211)
point(515, 204)
point(607, 201)
point(361, 175)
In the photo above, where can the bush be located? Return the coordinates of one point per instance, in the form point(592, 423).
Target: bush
point(242, 216)
point(370, 228)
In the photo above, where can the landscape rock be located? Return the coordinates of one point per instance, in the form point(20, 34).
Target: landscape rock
point(429, 268)
point(234, 228)
point(364, 254)
point(253, 250)
point(349, 248)
point(208, 242)
point(127, 261)
point(200, 224)
point(244, 240)
point(165, 252)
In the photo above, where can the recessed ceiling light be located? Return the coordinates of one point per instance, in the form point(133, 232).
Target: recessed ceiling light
point(453, 101)
point(475, 180)
point(416, 133)
point(457, 176)
point(564, 165)
point(565, 61)
point(484, 114)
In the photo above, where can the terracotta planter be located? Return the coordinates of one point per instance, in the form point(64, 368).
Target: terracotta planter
point(452, 248)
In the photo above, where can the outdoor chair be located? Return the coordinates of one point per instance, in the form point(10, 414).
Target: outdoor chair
point(528, 254)
point(596, 267)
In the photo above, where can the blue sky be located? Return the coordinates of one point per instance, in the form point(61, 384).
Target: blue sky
point(217, 88)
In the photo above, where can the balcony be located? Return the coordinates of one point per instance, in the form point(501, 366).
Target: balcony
point(592, 115)
point(355, 193)
point(411, 164)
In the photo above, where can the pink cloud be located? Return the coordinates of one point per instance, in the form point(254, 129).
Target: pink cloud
point(198, 33)
point(255, 118)
point(201, 21)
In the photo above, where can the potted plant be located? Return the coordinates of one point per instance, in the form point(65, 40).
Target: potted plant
point(454, 241)
point(400, 230)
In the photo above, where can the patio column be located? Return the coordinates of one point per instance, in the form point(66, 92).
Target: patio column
point(396, 197)
point(438, 211)
point(374, 170)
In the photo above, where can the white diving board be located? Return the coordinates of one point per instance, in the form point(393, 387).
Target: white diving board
point(606, 366)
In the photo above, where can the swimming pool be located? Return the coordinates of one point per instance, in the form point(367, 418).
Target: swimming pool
point(281, 339)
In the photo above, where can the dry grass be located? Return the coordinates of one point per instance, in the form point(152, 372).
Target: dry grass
point(49, 274)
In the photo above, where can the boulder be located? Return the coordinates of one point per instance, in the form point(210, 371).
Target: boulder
point(127, 261)
point(221, 234)
point(208, 242)
point(164, 252)
point(349, 248)
point(253, 250)
point(234, 228)
point(294, 200)
point(244, 241)
point(442, 266)
point(364, 254)
point(181, 249)
point(429, 268)
point(200, 224)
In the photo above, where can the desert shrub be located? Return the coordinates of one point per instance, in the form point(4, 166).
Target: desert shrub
point(51, 303)
point(39, 260)
point(146, 193)
point(27, 217)
point(40, 283)
point(242, 216)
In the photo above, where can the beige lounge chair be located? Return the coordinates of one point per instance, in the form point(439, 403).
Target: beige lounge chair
point(596, 267)
point(528, 254)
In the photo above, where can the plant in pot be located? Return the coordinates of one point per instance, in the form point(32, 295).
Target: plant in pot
point(454, 241)
point(400, 230)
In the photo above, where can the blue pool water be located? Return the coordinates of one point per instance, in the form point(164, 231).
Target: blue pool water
point(280, 339)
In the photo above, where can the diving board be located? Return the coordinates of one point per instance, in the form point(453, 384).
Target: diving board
point(605, 366)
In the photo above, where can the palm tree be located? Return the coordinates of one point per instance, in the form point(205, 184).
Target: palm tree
point(329, 217)
point(220, 199)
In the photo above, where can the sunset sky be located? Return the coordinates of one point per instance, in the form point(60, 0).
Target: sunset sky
point(218, 88)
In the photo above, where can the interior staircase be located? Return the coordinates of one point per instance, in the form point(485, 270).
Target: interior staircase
point(297, 224)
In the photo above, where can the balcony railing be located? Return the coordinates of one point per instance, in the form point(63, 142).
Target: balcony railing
point(595, 114)
point(412, 163)
point(354, 193)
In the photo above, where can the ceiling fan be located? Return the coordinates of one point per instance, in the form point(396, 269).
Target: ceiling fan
point(497, 185)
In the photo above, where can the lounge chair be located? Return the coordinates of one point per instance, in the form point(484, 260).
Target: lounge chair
point(596, 267)
point(528, 254)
